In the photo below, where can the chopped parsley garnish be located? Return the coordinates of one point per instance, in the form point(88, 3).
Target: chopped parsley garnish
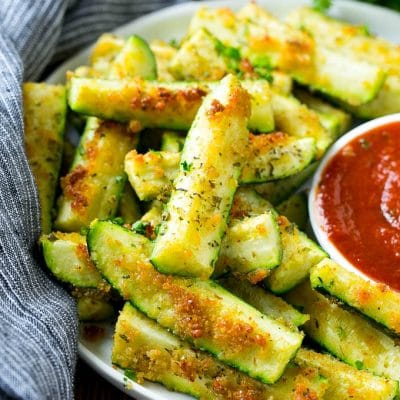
point(174, 43)
point(186, 166)
point(262, 67)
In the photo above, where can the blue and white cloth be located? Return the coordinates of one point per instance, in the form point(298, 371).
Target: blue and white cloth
point(38, 321)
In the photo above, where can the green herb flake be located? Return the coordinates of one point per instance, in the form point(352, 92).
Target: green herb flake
point(186, 166)
point(118, 220)
point(174, 43)
point(140, 227)
point(227, 51)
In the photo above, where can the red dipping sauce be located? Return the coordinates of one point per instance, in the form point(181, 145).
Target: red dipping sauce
point(359, 202)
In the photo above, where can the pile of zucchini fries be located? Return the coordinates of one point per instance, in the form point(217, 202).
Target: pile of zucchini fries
point(181, 201)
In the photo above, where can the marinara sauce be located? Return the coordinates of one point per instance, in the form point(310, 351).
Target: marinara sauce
point(359, 202)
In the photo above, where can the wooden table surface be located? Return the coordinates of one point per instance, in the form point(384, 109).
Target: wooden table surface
point(90, 385)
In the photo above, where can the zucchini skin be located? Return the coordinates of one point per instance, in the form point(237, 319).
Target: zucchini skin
point(93, 187)
point(153, 353)
point(200, 312)
point(375, 300)
point(346, 382)
point(166, 105)
point(280, 190)
point(189, 240)
point(135, 59)
point(347, 335)
point(45, 110)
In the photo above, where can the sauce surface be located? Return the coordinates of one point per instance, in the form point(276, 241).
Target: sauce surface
point(359, 202)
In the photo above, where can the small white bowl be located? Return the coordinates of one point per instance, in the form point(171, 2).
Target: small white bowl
point(314, 210)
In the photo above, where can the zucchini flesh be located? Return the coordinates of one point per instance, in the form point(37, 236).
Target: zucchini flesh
point(387, 101)
point(198, 311)
point(45, 111)
point(347, 335)
point(67, 257)
point(104, 52)
point(280, 190)
point(298, 120)
point(135, 59)
point(152, 174)
point(153, 353)
point(281, 83)
point(171, 141)
point(299, 254)
point(295, 209)
point(189, 240)
point(264, 301)
point(376, 300)
point(276, 156)
point(166, 105)
point(164, 53)
point(198, 58)
point(251, 245)
point(346, 382)
point(333, 119)
point(342, 76)
point(93, 186)
point(270, 157)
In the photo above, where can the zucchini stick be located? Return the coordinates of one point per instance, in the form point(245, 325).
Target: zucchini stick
point(94, 185)
point(166, 105)
point(357, 42)
point(153, 353)
point(347, 335)
point(346, 382)
point(211, 162)
point(199, 311)
point(45, 109)
point(376, 300)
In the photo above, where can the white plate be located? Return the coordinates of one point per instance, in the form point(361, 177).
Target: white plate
point(171, 23)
